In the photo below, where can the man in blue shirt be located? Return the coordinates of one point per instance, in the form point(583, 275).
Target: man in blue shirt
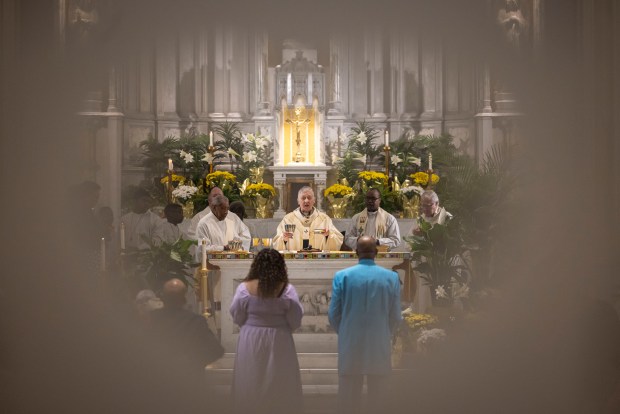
point(364, 311)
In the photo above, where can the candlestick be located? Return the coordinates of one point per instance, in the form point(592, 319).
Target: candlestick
point(430, 161)
point(170, 166)
point(387, 149)
point(387, 138)
point(211, 138)
point(103, 254)
point(122, 236)
point(211, 150)
point(203, 247)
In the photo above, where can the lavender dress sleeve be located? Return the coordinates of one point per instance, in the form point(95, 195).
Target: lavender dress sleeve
point(238, 307)
point(295, 311)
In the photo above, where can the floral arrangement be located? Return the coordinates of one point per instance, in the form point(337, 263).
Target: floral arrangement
point(374, 176)
point(257, 155)
point(175, 178)
point(454, 290)
point(430, 337)
point(184, 192)
point(218, 178)
point(417, 321)
point(421, 178)
point(338, 191)
point(262, 189)
point(411, 191)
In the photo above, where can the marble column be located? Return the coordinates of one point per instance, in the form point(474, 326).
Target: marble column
point(112, 163)
point(261, 43)
point(279, 182)
point(238, 77)
point(186, 75)
point(484, 120)
point(431, 77)
point(320, 181)
point(220, 74)
point(201, 74)
point(112, 90)
point(338, 61)
point(166, 76)
point(374, 52)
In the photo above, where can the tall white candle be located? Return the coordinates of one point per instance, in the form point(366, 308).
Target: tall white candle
point(122, 236)
point(387, 138)
point(204, 253)
point(210, 138)
point(170, 166)
point(103, 254)
point(430, 161)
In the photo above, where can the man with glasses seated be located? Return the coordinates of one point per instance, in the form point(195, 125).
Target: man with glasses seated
point(374, 221)
point(430, 210)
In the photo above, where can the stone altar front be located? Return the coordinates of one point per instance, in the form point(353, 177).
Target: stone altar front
point(312, 279)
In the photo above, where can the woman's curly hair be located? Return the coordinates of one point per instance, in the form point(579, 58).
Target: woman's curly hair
point(270, 270)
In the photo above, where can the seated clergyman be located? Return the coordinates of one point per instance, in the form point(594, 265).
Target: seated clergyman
point(430, 210)
point(312, 227)
point(374, 221)
point(219, 227)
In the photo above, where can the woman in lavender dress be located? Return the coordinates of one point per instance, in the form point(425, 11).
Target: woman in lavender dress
point(267, 308)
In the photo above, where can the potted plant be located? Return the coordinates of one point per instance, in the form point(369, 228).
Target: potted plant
point(438, 251)
point(338, 197)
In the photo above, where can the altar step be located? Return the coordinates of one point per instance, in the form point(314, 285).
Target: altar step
point(319, 379)
point(319, 372)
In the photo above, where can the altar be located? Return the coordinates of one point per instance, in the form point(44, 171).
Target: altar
point(311, 274)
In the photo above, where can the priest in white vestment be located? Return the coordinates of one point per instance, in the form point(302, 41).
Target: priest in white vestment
point(174, 226)
point(432, 213)
point(141, 223)
point(312, 227)
point(430, 210)
point(193, 225)
point(218, 227)
point(374, 221)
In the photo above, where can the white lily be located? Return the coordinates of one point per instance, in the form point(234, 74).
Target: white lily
point(362, 158)
point(335, 158)
point(208, 158)
point(441, 293)
point(187, 157)
point(395, 159)
point(261, 142)
point(232, 152)
point(362, 138)
point(249, 156)
point(414, 160)
point(250, 137)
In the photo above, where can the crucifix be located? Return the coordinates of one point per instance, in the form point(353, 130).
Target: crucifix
point(299, 112)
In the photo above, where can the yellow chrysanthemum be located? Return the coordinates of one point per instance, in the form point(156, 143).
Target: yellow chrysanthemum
point(372, 176)
point(421, 178)
point(420, 320)
point(175, 178)
point(263, 189)
point(338, 190)
point(218, 177)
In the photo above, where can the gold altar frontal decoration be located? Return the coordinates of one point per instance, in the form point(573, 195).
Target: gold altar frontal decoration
point(309, 255)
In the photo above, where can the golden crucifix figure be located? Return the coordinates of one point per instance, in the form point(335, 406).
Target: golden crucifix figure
point(299, 120)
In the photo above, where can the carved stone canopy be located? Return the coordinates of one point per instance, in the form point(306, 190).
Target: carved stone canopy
point(300, 77)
